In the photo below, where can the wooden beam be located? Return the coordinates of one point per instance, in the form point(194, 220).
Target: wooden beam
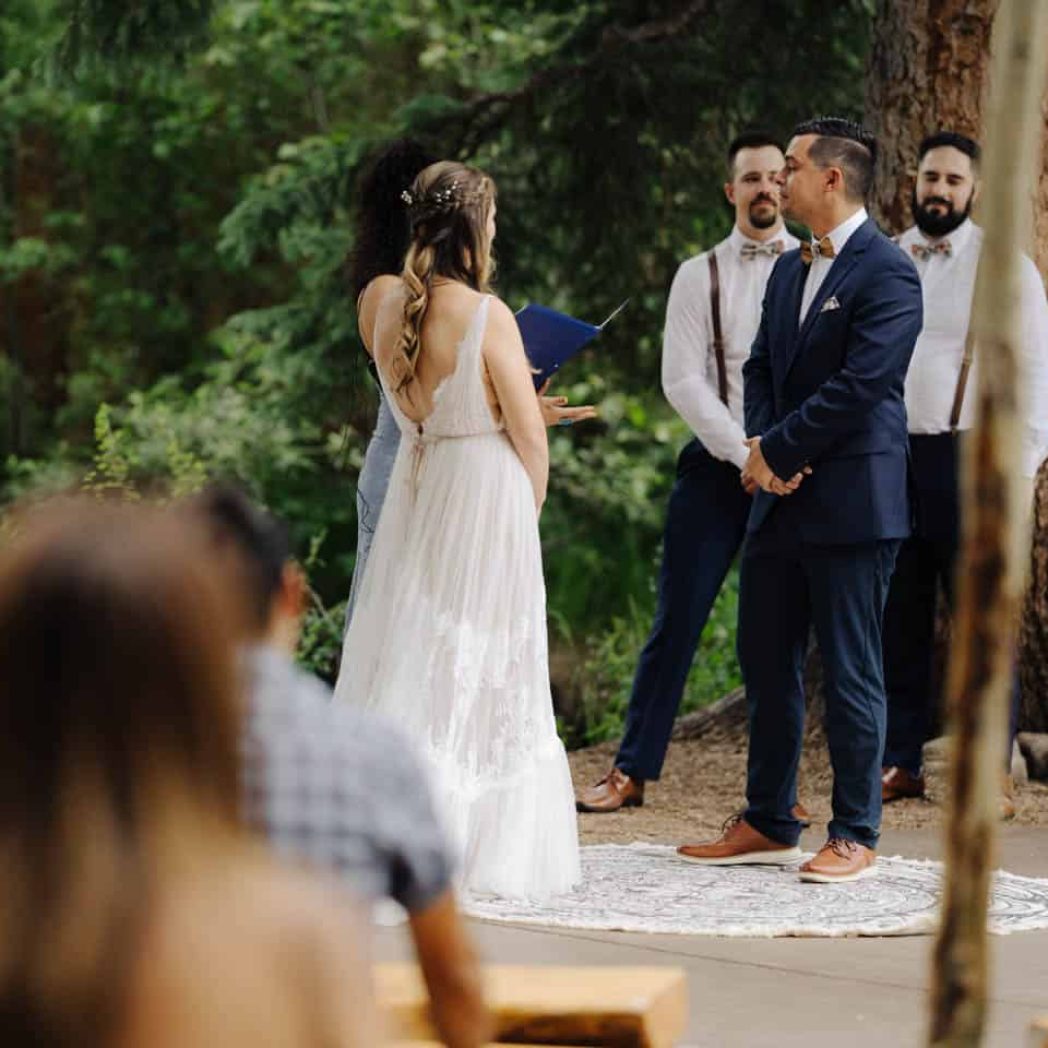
point(621, 1007)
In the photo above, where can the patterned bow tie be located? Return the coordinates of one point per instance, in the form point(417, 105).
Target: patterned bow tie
point(923, 251)
point(772, 249)
point(816, 249)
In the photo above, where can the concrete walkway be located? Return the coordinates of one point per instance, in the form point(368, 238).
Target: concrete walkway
point(810, 992)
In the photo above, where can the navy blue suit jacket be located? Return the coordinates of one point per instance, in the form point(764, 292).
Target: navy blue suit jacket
point(829, 394)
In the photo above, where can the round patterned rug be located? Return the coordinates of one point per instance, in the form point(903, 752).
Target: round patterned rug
point(646, 888)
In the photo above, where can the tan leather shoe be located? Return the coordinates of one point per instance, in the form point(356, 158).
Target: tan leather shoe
point(800, 813)
point(1006, 804)
point(616, 790)
point(897, 782)
point(738, 845)
point(840, 860)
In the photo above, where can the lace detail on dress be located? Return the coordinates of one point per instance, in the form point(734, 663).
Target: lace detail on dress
point(448, 639)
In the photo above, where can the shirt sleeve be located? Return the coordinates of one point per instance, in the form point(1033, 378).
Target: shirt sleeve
point(686, 348)
point(412, 839)
point(1034, 350)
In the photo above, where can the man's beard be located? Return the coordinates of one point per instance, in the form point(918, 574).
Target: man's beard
point(934, 225)
point(763, 220)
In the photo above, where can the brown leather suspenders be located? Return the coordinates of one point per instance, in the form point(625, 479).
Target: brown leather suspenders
point(962, 379)
point(718, 331)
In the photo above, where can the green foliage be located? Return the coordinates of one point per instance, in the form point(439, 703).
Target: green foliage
point(173, 234)
point(606, 676)
point(118, 31)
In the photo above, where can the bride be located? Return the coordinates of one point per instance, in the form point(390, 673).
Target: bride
point(448, 637)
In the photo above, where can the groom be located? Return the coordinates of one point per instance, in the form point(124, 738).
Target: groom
point(826, 428)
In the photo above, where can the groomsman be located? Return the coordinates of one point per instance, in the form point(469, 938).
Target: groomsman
point(711, 319)
point(945, 245)
point(827, 434)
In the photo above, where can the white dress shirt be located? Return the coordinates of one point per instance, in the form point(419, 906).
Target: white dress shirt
point(947, 283)
point(821, 265)
point(689, 364)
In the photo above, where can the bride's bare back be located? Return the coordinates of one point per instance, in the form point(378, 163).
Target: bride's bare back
point(452, 307)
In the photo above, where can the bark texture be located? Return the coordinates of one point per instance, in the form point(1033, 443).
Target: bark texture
point(927, 70)
point(993, 559)
point(1033, 633)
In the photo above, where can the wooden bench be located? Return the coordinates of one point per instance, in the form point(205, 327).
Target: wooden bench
point(620, 1007)
point(1038, 1037)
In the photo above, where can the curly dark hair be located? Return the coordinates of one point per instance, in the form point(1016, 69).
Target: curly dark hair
point(381, 234)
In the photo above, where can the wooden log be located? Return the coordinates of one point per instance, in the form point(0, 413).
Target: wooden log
point(619, 1007)
point(994, 552)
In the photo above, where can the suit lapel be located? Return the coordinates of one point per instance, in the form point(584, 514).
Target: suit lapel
point(792, 303)
point(840, 269)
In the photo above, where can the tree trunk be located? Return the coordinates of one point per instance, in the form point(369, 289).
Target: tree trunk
point(993, 558)
point(927, 70)
point(1039, 248)
point(1033, 633)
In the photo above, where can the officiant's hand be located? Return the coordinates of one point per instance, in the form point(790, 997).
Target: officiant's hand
point(757, 471)
point(556, 412)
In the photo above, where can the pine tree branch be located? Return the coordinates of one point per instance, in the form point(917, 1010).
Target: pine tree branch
point(484, 114)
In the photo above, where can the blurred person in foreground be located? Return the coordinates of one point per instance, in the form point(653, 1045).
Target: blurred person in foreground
point(332, 786)
point(134, 911)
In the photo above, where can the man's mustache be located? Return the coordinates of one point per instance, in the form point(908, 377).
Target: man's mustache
point(762, 199)
point(937, 200)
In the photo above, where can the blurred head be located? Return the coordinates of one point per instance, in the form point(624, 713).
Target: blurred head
point(452, 212)
point(119, 727)
point(254, 548)
point(382, 230)
point(947, 182)
point(754, 162)
point(828, 171)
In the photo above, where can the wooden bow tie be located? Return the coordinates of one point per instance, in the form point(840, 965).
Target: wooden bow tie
point(923, 251)
point(772, 249)
point(811, 248)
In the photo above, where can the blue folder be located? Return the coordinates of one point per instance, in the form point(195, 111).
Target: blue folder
point(551, 338)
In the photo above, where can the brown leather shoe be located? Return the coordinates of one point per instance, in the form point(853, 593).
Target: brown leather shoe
point(800, 813)
point(616, 790)
point(838, 860)
point(1006, 804)
point(897, 782)
point(740, 844)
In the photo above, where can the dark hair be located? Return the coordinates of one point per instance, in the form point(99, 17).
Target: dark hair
point(381, 228)
point(118, 720)
point(752, 139)
point(844, 144)
point(259, 541)
point(968, 146)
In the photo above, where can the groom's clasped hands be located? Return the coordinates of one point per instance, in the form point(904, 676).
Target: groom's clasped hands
point(756, 473)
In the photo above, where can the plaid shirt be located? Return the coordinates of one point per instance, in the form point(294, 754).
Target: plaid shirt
point(338, 788)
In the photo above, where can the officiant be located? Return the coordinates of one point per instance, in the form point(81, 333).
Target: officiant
point(711, 319)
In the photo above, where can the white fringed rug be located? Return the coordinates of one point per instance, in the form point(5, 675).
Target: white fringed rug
point(646, 888)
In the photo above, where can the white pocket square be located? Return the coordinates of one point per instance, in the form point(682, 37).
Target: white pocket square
point(830, 303)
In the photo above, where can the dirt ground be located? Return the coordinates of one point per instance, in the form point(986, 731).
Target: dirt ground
point(703, 782)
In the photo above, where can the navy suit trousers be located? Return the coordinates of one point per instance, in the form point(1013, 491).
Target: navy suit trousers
point(705, 526)
point(927, 562)
point(785, 589)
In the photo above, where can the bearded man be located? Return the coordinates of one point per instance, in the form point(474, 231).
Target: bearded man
point(945, 246)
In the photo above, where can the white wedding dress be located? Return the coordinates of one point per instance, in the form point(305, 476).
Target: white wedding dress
point(448, 639)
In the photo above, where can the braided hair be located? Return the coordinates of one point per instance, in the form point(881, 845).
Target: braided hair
point(448, 208)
